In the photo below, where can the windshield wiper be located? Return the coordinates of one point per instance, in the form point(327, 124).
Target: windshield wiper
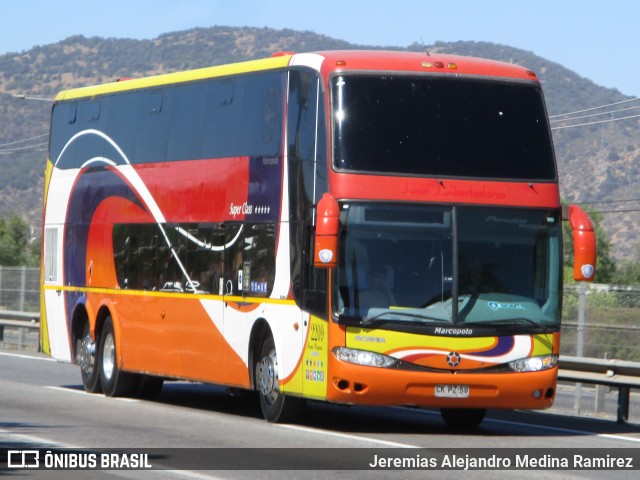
point(404, 318)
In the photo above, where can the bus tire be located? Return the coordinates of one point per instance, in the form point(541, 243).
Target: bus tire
point(115, 382)
point(463, 418)
point(276, 407)
point(88, 361)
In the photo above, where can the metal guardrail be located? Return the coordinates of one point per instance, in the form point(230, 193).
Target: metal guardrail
point(23, 321)
point(622, 374)
point(8, 315)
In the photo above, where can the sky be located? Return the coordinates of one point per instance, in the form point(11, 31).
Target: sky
point(594, 38)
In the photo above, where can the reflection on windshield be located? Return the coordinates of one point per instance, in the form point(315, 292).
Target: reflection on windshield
point(474, 265)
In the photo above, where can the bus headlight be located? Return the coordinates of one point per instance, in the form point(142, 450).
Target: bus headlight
point(363, 357)
point(534, 364)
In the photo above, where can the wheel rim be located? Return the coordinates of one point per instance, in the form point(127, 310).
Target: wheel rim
point(86, 355)
point(268, 378)
point(108, 357)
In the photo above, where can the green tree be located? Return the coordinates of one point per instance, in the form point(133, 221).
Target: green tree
point(628, 272)
point(17, 247)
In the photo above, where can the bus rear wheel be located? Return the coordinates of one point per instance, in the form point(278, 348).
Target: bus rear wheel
point(276, 406)
point(463, 418)
point(114, 381)
point(87, 359)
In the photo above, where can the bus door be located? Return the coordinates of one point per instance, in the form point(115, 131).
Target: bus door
point(248, 281)
point(231, 282)
point(55, 331)
point(212, 262)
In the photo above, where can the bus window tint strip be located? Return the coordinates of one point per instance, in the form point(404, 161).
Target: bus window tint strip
point(210, 255)
point(206, 119)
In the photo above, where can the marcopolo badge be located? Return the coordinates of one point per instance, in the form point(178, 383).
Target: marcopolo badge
point(325, 255)
point(587, 270)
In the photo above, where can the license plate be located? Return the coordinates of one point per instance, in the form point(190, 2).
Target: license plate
point(452, 391)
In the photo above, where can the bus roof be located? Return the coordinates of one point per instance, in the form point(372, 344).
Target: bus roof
point(327, 62)
point(421, 62)
point(275, 62)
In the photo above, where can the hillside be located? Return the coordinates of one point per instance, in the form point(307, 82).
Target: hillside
point(595, 163)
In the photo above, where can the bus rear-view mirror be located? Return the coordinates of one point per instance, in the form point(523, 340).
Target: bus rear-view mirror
point(325, 253)
point(584, 244)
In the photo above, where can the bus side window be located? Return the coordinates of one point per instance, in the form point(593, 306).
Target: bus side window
point(307, 182)
point(223, 119)
point(259, 262)
point(261, 129)
point(122, 126)
point(187, 117)
point(153, 126)
point(233, 258)
point(91, 115)
point(314, 294)
point(64, 126)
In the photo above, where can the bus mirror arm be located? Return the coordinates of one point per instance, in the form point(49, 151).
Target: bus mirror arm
point(325, 253)
point(584, 244)
point(310, 217)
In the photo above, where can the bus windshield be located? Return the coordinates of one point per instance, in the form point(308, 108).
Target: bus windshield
point(441, 127)
point(484, 266)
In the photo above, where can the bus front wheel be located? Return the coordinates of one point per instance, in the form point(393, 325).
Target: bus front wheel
point(114, 381)
point(276, 407)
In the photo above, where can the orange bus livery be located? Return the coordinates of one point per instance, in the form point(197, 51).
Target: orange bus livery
point(357, 227)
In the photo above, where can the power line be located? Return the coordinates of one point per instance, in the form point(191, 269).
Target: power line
point(612, 112)
point(618, 211)
point(594, 108)
point(610, 201)
point(571, 116)
point(14, 148)
point(22, 149)
point(23, 140)
point(596, 123)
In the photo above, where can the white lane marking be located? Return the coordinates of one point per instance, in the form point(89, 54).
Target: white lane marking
point(345, 435)
point(30, 357)
point(33, 439)
point(566, 430)
point(92, 395)
point(189, 474)
point(545, 427)
point(354, 437)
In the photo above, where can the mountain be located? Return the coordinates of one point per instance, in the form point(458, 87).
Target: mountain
point(596, 163)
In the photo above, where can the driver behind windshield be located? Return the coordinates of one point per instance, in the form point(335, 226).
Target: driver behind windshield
point(379, 294)
point(478, 278)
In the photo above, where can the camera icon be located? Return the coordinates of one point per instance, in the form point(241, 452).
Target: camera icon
point(23, 459)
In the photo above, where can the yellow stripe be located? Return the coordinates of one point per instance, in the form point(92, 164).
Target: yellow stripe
point(155, 293)
point(44, 330)
point(178, 77)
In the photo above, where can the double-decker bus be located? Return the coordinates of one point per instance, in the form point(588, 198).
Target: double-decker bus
point(357, 227)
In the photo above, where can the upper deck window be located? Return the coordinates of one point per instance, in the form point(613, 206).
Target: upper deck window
point(441, 127)
point(212, 118)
